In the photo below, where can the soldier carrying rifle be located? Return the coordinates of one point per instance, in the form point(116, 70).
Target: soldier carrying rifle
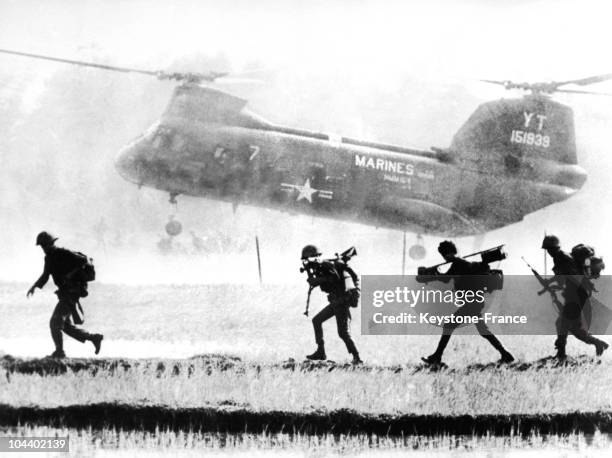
point(573, 275)
point(341, 284)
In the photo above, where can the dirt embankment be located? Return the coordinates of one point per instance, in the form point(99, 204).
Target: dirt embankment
point(207, 364)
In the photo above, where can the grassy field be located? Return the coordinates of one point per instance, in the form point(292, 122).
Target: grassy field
point(392, 390)
point(113, 443)
point(251, 343)
point(262, 324)
point(264, 327)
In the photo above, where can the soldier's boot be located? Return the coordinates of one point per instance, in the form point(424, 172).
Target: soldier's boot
point(506, 357)
point(561, 355)
point(433, 360)
point(96, 340)
point(318, 355)
point(600, 347)
point(356, 358)
point(560, 346)
point(59, 354)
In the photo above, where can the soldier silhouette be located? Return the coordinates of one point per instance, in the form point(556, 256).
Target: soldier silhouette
point(461, 271)
point(64, 267)
point(330, 277)
point(573, 275)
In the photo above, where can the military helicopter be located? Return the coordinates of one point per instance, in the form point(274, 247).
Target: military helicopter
point(510, 158)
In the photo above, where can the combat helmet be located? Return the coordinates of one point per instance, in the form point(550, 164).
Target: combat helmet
point(446, 247)
point(550, 241)
point(45, 239)
point(310, 251)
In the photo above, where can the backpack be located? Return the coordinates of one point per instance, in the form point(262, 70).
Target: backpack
point(88, 272)
point(581, 253)
point(85, 274)
point(350, 288)
point(487, 279)
point(480, 268)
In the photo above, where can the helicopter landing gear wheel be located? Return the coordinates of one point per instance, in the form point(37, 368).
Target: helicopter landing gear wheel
point(417, 251)
point(173, 227)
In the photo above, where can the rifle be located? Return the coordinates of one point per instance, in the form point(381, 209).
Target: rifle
point(310, 269)
point(546, 288)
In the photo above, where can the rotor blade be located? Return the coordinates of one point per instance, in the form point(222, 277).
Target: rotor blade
point(83, 64)
point(501, 83)
point(570, 91)
point(507, 84)
point(585, 81)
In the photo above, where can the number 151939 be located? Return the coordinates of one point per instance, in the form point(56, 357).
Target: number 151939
point(530, 138)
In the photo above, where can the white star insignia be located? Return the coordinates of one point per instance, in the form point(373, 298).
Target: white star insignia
point(306, 191)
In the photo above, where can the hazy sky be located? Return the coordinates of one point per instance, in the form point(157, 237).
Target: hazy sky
point(479, 38)
point(355, 49)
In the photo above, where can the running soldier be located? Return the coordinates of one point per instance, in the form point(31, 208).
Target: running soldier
point(65, 267)
point(329, 275)
point(462, 272)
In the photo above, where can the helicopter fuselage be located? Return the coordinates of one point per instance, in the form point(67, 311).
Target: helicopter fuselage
point(512, 157)
point(243, 159)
